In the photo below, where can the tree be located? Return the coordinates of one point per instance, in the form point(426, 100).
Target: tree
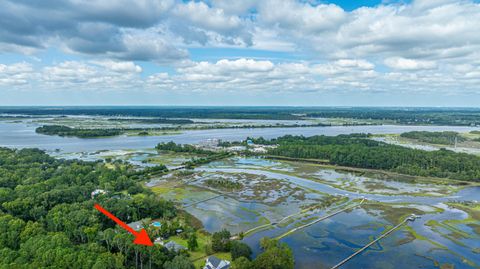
point(192, 241)
point(276, 256)
point(240, 249)
point(221, 240)
point(31, 229)
point(179, 262)
point(242, 263)
point(10, 230)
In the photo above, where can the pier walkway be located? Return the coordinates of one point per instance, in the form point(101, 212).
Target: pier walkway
point(410, 218)
point(320, 219)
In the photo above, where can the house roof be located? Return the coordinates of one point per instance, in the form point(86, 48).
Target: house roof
point(216, 263)
point(137, 225)
point(173, 246)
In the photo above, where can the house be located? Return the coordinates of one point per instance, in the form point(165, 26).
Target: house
point(172, 246)
point(137, 225)
point(259, 150)
point(236, 148)
point(97, 192)
point(213, 262)
point(159, 240)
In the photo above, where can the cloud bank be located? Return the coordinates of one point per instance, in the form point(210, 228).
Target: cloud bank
point(429, 46)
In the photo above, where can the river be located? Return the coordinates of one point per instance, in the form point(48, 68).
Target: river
point(22, 135)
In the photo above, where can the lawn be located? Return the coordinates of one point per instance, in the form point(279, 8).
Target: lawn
point(198, 256)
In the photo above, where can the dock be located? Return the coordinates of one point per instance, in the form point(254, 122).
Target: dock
point(204, 200)
point(320, 219)
point(410, 218)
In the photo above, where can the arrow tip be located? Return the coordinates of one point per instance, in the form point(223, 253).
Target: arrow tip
point(142, 238)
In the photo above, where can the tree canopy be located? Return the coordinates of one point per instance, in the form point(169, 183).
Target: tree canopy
point(357, 150)
point(47, 218)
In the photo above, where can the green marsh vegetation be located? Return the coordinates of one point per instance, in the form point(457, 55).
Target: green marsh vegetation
point(223, 184)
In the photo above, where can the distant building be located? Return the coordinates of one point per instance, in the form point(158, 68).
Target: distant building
point(259, 150)
point(236, 148)
point(210, 143)
point(213, 262)
point(172, 246)
point(97, 192)
point(250, 142)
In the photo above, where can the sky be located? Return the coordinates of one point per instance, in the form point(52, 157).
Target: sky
point(222, 52)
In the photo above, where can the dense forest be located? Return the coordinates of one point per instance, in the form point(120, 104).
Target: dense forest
point(47, 218)
point(358, 150)
point(62, 130)
point(441, 138)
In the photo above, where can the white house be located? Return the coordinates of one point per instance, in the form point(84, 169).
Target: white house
point(97, 192)
point(213, 262)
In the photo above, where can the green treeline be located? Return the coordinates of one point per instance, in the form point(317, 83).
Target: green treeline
point(409, 116)
point(204, 160)
point(153, 121)
point(399, 115)
point(62, 130)
point(207, 156)
point(267, 113)
point(184, 148)
point(47, 218)
point(442, 138)
point(358, 151)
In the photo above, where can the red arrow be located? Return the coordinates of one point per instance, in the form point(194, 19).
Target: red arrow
point(141, 238)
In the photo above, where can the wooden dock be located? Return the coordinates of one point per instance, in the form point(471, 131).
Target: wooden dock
point(338, 265)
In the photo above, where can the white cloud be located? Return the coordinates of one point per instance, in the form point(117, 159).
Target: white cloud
point(301, 18)
point(199, 14)
point(362, 64)
point(228, 66)
point(235, 7)
point(121, 67)
point(17, 74)
point(409, 64)
point(244, 75)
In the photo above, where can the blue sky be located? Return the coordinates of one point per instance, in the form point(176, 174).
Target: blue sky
point(271, 52)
